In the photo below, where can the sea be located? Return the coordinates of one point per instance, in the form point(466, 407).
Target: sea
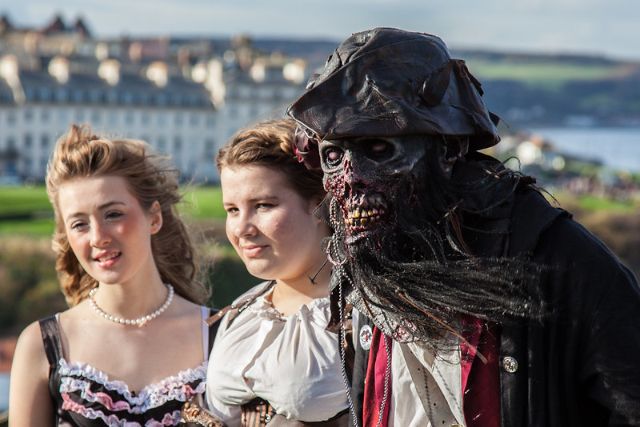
point(4, 391)
point(617, 148)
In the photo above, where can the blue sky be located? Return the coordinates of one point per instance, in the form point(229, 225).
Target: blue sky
point(609, 27)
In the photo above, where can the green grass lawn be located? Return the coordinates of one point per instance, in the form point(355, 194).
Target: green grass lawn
point(544, 74)
point(203, 203)
point(601, 204)
point(23, 199)
point(32, 202)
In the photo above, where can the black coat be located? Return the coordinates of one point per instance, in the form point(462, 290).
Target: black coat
point(580, 365)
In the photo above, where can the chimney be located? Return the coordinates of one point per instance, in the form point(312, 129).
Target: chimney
point(10, 72)
point(59, 69)
point(294, 71)
point(258, 70)
point(158, 73)
point(9, 68)
point(109, 71)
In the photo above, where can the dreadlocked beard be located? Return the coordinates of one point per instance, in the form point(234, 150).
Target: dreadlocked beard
point(420, 270)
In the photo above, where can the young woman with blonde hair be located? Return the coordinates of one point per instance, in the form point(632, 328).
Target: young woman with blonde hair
point(133, 346)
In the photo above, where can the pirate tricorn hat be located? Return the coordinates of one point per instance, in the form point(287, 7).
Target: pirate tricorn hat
point(390, 82)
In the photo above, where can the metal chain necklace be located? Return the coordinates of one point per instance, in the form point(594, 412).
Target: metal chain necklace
point(341, 275)
point(140, 321)
point(338, 265)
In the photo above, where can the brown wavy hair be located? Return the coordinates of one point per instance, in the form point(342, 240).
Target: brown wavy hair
point(270, 144)
point(80, 154)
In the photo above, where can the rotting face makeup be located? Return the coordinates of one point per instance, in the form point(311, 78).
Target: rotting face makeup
point(373, 178)
point(363, 175)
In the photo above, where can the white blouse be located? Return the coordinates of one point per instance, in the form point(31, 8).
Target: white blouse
point(293, 362)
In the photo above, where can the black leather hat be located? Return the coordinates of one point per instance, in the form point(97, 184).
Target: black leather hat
point(390, 82)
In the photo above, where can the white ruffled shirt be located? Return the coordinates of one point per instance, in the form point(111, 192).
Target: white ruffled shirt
point(293, 362)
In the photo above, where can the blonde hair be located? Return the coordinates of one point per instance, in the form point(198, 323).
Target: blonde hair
point(80, 154)
point(270, 143)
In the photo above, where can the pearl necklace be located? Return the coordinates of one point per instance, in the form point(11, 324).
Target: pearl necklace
point(140, 321)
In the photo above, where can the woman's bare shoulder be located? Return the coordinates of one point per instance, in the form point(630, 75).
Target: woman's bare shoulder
point(30, 341)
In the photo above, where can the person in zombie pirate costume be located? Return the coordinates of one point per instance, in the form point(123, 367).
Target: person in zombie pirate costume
point(478, 303)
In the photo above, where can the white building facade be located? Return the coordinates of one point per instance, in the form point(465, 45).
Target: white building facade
point(174, 115)
point(186, 112)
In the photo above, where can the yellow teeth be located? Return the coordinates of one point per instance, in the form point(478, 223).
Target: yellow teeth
point(363, 217)
point(365, 213)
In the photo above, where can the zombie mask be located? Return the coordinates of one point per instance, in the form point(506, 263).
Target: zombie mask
point(374, 179)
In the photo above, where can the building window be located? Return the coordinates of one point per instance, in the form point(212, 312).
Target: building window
point(129, 117)
point(178, 119)
point(162, 144)
point(44, 94)
point(161, 99)
point(28, 140)
point(113, 117)
point(211, 120)
point(177, 144)
point(30, 94)
point(127, 98)
point(27, 164)
point(112, 97)
point(96, 117)
point(77, 96)
point(95, 96)
point(194, 119)
point(44, 142)
point(194, 100)
point(79, 115)
point(161, 119)
point(28, 115)
point(63, 116)
point(44, 115)
point(62, 95)
point(209, 148)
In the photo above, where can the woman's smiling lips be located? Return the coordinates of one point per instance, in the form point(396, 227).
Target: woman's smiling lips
point(252, 251)
point(107, 259)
